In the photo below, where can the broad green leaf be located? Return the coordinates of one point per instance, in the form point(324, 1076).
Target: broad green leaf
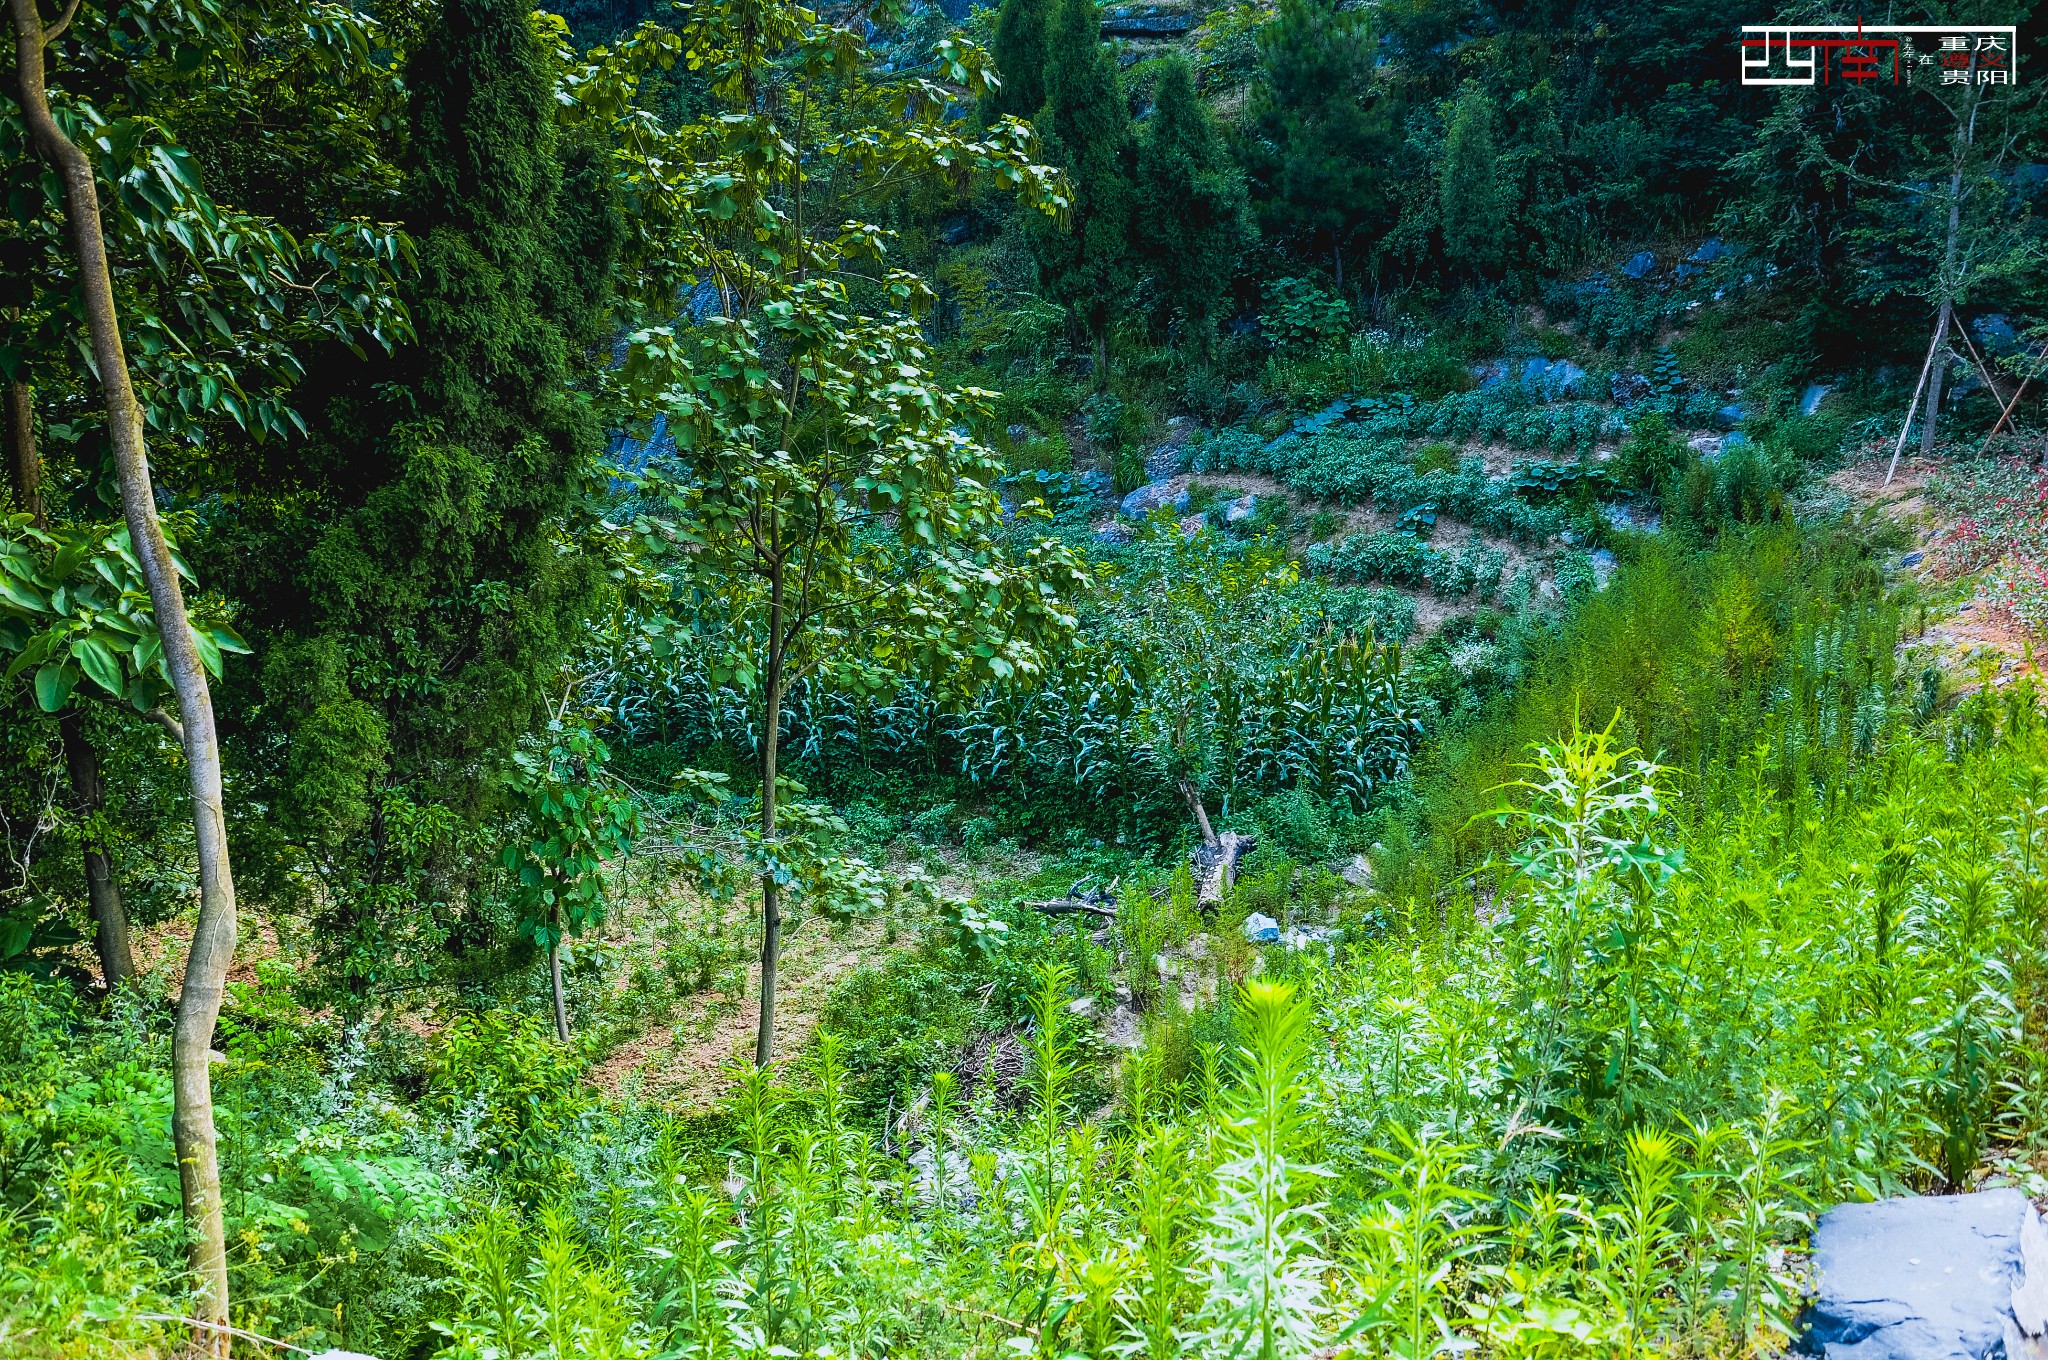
point(54, 683)
point(98, 661)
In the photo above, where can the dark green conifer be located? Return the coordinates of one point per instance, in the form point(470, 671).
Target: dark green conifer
point(1019, 51)
point(1193, 217)
point(416, 595)
point(1087, 130)
point(1474, 211)
point(1321, 143)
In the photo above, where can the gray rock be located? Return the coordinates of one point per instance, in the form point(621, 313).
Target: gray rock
point(1115, 534)
point(1812, 397)
point(1150, 497)
point(1491, 373)
point(1604, 565)
point(1707, 446)
point(1710, 250)
point(1082, 1007)
point(1929, 1278)
point(1098, 482)
point(1194, 524)
point(1912, 559)
point(1146, 25)
point(1241, 509)
point(1995, 331)
point(1639, 265)
point(1628, 387)
point(1121, 1030)
point(1166, 460)
point(1731, 415)
point(1260, 928)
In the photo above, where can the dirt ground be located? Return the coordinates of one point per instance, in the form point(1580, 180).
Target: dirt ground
point(1960, 637)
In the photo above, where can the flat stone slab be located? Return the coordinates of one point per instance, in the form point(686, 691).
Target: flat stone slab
point(1928, 1278)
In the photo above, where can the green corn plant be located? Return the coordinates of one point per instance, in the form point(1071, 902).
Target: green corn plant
point(1262, 1286)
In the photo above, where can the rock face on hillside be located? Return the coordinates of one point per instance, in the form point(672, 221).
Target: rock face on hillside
point(1935, 1278)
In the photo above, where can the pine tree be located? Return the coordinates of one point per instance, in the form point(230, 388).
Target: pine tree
point(1194, 219)
point(1019, 51)
point(1474, 211)
point(1321, 141)
point(1086, 127)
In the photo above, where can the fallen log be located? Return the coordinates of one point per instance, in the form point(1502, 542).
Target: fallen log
point(1068, 906)
point(1093, 901)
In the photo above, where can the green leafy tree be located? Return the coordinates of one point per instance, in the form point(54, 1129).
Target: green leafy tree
point(214, 296)
point(1469, 189)
point(572, 820)
point(828, 505)
point(1085, 263)
point(1019, 49)
point(1321, 140)
point(1195, 219)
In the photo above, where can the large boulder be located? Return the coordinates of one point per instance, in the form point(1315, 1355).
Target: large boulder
point(1639, 265)
point(1166, 460)
point(1928, 1278)
point(1148, 498)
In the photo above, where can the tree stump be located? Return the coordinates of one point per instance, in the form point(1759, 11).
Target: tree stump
point(1215, 866)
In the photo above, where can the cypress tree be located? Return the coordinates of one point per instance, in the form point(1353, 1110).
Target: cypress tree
point(1086, 128)
point(1474, 211)
point(416, 595)
point(1321, 142)
point(1194, 218)
point(1019, 51)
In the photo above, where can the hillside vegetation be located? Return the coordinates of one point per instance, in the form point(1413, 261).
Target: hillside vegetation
point(1297, 680)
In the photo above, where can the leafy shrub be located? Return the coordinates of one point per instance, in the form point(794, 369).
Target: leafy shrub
point(1300, 318)
point(504, 1079)
point(1399, 559)
point(897, 1025)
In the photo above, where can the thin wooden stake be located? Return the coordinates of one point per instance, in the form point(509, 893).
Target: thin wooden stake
point(1918, 388)
point(2018, 392)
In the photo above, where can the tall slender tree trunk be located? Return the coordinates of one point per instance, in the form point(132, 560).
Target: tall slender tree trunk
point(24, 463)
point(771, 898)
point(213, 937)
point(1935, 374)
point(102, 888)
point(1951, 284)
point(555, 982)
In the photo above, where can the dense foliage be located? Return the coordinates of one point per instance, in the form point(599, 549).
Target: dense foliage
point(1290, 681)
